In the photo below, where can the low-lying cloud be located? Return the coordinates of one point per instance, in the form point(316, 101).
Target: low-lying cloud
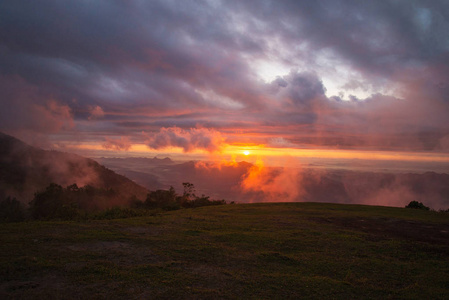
point(188, 140)
point(272, 184)
point(245, 182)
point(267, 184)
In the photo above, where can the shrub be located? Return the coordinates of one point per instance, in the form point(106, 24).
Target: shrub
point(165, 199)
point(55, 203)
point(417, 205)
point(134, 202)
point(11, 210)
point(74, 202)
point(46, 204)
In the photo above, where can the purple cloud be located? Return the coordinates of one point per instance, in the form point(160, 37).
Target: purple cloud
point(360, 74)
point(188, 140)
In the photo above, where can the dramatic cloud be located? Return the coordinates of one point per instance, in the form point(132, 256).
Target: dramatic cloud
point(188, 140)
point(328, 73)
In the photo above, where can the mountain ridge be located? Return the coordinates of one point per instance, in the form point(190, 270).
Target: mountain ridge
point(25, 170)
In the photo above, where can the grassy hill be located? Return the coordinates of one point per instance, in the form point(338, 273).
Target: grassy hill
point(242, 251)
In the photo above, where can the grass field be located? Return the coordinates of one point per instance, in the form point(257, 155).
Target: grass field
point(242, 251)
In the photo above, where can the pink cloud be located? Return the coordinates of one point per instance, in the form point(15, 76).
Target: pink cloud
point(189, 140)
point(26, 108)
point(123, 143)
point(96, 112)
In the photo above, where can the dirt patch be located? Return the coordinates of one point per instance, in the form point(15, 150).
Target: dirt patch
point(385, 228)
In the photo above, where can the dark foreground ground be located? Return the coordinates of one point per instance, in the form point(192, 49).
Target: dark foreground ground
point(252, 251)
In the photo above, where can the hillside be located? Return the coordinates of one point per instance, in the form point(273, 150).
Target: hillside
point(242, 251)
point(25, 169)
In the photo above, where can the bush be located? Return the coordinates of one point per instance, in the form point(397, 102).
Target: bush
point(205, 201)
point(55, 203)
point(134, 202)
point(11, 210)
point(74, 202)
point(47, 204)
point(165, 199)
point(417, 205)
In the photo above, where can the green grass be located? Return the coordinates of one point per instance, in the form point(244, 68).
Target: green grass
point(251, 251)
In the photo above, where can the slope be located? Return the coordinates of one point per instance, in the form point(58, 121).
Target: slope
point(25, 169)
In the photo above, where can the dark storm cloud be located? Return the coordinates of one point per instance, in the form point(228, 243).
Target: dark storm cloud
point(304, 88)
point(112, 64)
point(378, 36)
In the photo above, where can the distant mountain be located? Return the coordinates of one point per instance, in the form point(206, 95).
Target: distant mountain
point(142, 170)
point(245, 182)
point(25, 170)
point(217, 180)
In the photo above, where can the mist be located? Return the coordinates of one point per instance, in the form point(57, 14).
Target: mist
point(244, 182)
point(25, 170)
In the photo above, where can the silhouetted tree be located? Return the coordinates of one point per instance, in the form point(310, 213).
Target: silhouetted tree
point(69, 203)
point(55, 202)
point(46, 204)
point(189, 199)
point(189, 190)
point(165, 199)
point(73, 188)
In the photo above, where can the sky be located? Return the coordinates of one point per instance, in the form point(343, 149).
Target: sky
point(218, 78)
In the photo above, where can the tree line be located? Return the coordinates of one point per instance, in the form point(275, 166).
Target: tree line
point(73, 202)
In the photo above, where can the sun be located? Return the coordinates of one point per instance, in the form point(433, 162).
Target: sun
point(246, 152)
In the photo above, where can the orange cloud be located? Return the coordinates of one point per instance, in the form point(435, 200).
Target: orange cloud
point(96, 112)
point(273, 184)
point(117, 144)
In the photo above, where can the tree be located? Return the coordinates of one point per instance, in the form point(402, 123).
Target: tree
point(55, 202)
point(46, 204)
point(189, 190)
point(165, 199)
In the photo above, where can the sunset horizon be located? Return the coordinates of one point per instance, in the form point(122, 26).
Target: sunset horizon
point(264, 101)
point(224, 149)
point(213, 79)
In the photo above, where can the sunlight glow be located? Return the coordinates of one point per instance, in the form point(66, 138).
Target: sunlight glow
point(269, 70)
point(261, 151)
point(270, 155)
